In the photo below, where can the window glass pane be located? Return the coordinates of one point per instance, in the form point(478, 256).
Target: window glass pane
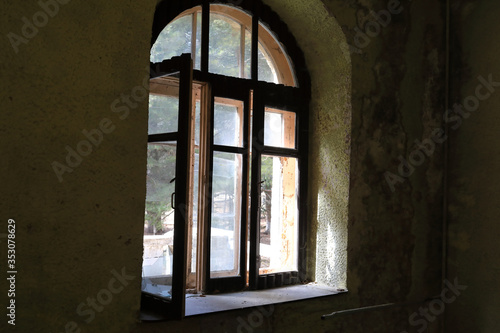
point(159, 219)
point(248, 55)
point(174, 40)
point(227, 54)
point(279, 128)
point(224, 40)
point(273, 62)
point(195, 186)
point(267, 71)
point(228, 118)
point(226, 215)
point(278, 216)
point(197, 123)
point(163, 114)
point(197, 62)
point(194, 240)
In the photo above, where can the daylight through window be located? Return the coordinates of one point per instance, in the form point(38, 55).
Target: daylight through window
point(225, 156)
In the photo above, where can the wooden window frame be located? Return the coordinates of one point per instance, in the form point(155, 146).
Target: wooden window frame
point(267, 41)
point(175, 307)
point(257, 96)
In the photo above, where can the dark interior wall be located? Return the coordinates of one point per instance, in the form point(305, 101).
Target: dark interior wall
point(474, 167)
point(395, 210)
point(75, 236)
point(398, 76)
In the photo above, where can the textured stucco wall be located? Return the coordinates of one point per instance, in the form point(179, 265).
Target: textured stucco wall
point(74, 233)
point(330, 126)
point(394, 236)
point(474, 171)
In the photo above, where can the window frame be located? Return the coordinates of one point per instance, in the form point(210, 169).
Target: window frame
point(175, 307)
point(290, 99)
point(273, 34)
point(239, 91)
point(278, 96)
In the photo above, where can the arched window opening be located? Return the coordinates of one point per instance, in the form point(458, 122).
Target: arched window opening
point(230, 45)
point(227, 145)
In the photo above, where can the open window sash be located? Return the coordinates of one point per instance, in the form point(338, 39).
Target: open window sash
point(168, 196)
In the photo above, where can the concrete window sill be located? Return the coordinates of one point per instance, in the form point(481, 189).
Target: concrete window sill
point(198, 305)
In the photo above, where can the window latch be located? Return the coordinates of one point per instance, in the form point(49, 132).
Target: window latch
point(172, 197)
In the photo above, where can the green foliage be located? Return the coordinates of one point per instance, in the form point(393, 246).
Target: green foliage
point(224, 46)
point(154, 212)
point(266, 178)
point(160, 172)
point(225, 59)
point(224, 52)
point(163, 114)
point(174, 40)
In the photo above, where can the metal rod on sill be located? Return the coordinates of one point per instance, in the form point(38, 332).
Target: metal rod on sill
point(377, 307)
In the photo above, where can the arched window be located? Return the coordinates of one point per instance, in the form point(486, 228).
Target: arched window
point(230, 45)
point(227, 154)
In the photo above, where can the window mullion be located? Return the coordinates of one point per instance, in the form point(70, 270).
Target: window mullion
point(193, 35)
point(257, 145)
point(255, 45)
point(162, 137)
point(205, 35)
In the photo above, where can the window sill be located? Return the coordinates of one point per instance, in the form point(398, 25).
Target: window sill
point(199, 305)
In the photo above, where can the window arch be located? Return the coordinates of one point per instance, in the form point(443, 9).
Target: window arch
point(227, 157)
point(274, 39)
point(230, 46)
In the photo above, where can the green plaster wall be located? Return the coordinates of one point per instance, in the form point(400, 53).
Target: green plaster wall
point(368, 109)
point(473, 209)
point(72, 234)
